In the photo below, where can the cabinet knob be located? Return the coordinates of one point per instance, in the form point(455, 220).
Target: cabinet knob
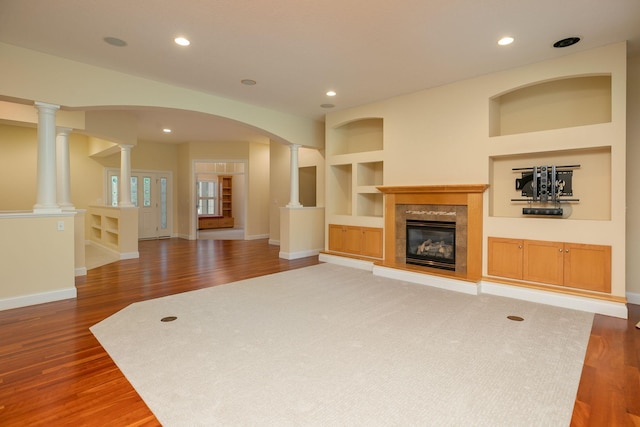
point(566, 250)
point(561, 250)
point(519, 246)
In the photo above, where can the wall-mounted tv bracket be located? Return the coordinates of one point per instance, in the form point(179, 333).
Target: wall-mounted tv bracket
point(545, 184)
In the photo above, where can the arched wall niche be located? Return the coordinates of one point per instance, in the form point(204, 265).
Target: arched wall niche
point(357, 136)
point(551, 104)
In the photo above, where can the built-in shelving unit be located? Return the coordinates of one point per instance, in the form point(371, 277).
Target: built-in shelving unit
point(115, 229)
point(559, 122)
point(355, 167)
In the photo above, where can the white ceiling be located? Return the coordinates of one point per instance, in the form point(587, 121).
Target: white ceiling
point(296, 50)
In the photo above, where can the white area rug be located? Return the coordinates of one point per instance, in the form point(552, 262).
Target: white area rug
point(329, 345)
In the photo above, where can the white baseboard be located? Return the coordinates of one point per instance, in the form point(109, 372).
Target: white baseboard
point(39, 298)
point(81, 271)
point(300, 254)
point(633, 298)
point(274, 242)
point(257, 237)
point(347, 262)
point(130, 255)
point(426, 279)
point(592, 305)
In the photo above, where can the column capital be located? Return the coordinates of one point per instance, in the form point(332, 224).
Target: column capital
point(63, 130)
point(46, 106)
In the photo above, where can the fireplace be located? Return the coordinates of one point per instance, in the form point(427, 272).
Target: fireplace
point(431, 243)
point(461, 204)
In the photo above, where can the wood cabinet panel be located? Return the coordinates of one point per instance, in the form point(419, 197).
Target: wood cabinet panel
point(543, 262)
point(353, 240)
point(587, 267)
point(336, 238)
point(505, 257)
point(372, 242)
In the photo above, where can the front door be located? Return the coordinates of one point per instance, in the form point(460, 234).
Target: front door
point(151, 194)
point(152, 201)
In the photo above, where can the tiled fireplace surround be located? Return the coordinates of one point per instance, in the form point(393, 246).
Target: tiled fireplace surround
point(462, 203)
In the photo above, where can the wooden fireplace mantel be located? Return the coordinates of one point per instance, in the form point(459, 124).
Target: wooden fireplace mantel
point(418, 189)
point(469, 195)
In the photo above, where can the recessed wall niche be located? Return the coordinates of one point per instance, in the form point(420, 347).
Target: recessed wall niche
point(591, 182)
point(555, 104)
point(358, 136)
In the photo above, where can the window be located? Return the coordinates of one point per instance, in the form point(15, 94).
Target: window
point(208, 198)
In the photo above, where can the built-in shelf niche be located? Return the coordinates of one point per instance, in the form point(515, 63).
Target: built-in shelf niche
point(370, 204)
point(591, 182)
point(555, 104)
point(358, 136)
point(370, 173)
point(340, 183)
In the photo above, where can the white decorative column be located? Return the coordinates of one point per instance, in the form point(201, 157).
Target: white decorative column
point(125, 176)
point(46, 199)
point(294, 199)
point(63, 168)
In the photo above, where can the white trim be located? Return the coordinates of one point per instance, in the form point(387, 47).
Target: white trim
point(130, 255)
point(592, 305)
point(427, 279)
point(120, 255)
point(633, 298)
point(297, 255)
point(39, 298)
point(274, 242)
point(31, 214)
point(81, 271)
point(347, 262)
point(256, 236)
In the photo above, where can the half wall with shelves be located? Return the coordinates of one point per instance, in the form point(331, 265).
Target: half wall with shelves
point(115, 229)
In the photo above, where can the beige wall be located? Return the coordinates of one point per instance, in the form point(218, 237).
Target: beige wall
point(18, 169)
point(441, 136)
point(633, 177)
point(279, 186)
point(257, 225)
point(36, 238)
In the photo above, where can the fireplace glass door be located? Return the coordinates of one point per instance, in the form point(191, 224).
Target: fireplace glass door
point(431, 243)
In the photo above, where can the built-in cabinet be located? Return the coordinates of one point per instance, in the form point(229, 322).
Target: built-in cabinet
point(573, 265)
point(354, 240)
point(354, 205)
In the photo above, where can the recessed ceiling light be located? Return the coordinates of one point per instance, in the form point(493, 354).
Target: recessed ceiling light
point(331, 93)
point(166, 130)
point(569, 41)
point(182, 41)
point(327, 105)
point(505, 41)
point(248, 82)
point(114, 41)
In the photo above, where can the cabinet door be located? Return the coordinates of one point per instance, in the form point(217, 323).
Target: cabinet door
point(587, 267)
point(353, 240)
point(543, 262)
point(505, 257)
point(336, 237)
point(372, 242)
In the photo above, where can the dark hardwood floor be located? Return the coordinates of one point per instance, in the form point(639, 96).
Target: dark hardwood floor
point(53, 372)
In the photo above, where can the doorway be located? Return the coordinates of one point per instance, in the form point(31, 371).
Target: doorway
point(220, 199)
